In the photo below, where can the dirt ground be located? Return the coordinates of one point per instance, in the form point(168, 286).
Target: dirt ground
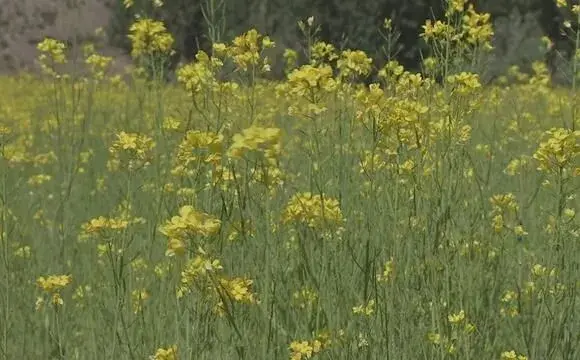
point(23, 23)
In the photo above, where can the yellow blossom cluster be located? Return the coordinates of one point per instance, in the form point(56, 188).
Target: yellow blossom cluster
point(309, 79)
point(187, 225)
point(354, 63)
point(197, 147)
point(104, 226)
point(300, 350)
point(505, 214)
point(98, 64)
point(200, 74)
point(512, 355)
point(149, 37)
point(366, 309)
point(315, 211)
point(130, 151)
point(305, 298)
point(322, 52)
point(461, 329)
point(255, 138)
point(52, 285)
point(169, 353)
point(52, 52)
point(474, 28)
point(559, 150)
point(246, 51)
point(237, 290)
point(204, 274)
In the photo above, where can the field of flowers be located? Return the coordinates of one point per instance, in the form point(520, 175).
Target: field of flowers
point(348, 212)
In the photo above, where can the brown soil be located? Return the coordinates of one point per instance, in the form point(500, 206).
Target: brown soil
point(24, 23)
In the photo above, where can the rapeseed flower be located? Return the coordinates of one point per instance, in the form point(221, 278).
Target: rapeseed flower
point(149, 37)
point(366, 309)
point(52, 285)
point(266, 140)
point(511, 355)
point(558, 150)
point(315, 211)
point(169, 353)
point(190, 222)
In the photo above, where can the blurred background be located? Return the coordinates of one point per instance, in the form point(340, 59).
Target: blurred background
point(519, 27)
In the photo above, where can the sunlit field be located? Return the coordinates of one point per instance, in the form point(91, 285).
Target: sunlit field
point(349, 211)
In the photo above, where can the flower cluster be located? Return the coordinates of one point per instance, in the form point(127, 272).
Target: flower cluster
point(474, 28)
point(101, 224)
point(354, 63)
point(315, 211)
point(305, 298)
point(204, 274)
point(149, 37)
point(199, 75)
point(366, 309)
point(460, 328)
point(255, 138)
point(505, 214)
point(304, 349)
point(185, 226)
point(52, 52)
point(131, 151)
point(246, 51)
point(52, 285)
point(559, 150)
point(197, 147)
point(169, 353)
point(512, 355)
point(97, 64)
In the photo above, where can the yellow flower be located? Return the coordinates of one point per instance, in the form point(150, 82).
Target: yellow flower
point(190, 222)
point(53, 49)
point(305, 298)
point(39, 179)
point(169, 353)
point(266, 140)
point(53, 283)
point(307, 349)
point(511, 355)
point(388, 272)
point(354, 63)
point(519, 231)
point(569, 213)
point(559, 148)
point(239, 290)
point(456, 318)
point(52, 52)
point(200, 74)
point(456, 6)
point(138, 297)
point(365, 309)
point(300, 350)
point(246, 50)
point(175, 247)
point(313, 210)
point(434, 338)
point(307, 78)
point(149, 37)
point(131, 150)
point(464, 83)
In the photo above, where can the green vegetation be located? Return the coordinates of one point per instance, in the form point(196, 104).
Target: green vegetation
point(230, 216)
